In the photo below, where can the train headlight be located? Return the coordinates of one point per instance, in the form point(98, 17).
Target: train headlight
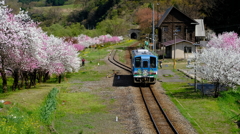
point(152, 73)
point(136, 73)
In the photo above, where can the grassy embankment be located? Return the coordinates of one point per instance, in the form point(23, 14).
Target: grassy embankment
point(76, 112)
point(208, 115)
point(64, 10)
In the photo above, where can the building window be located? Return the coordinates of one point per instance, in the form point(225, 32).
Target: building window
point(187, 49)
point(178, 28)
point(165, 28)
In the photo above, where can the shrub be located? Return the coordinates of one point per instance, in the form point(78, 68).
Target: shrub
point(49, 106)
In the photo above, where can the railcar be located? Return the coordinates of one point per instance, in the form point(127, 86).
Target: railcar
point(144, 66)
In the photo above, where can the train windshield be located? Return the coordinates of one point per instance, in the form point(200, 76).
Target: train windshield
point(152, 62)
point(145, 64)
point(138, 62)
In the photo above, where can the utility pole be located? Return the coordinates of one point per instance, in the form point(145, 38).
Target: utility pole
point(153, 27)
point(174, 59)
point(195, 75)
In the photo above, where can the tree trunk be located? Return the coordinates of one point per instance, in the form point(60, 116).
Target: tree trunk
point(59, 78)
point(30, 74)
point(34, 77)
point(4, 77)
point(4, 81)
point(22, 80)
point(25, 77)
point(16, 79)
point(46, 76)
point(216, 92)
point(40, 75)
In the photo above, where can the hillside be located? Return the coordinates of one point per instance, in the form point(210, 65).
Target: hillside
point(100, 14)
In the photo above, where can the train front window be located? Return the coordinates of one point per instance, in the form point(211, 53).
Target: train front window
point(138, 62)
point(152, 62)
point(145, 64)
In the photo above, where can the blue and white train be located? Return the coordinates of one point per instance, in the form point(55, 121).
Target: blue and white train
point(144, 66)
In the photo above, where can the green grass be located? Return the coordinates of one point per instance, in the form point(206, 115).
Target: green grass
point(229, 103)
point(22, 115)
point(64, 10)
point(83, 111)
point(206, 114)
point(85, 75)
point(9, 84)
point(94, 56)
point(167, 75)
point(70, 6)
point(80, 103)
point(88, 113)
point(121, 50)
point(168, 64)
point(76, 112)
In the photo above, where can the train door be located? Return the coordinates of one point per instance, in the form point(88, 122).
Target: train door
point(145, 67)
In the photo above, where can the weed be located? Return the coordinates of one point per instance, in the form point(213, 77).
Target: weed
point(168, 75)
point(88, 126)
point(49, 107)
point(216, 115)
point(1, 105)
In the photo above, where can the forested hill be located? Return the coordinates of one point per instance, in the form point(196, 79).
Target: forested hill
point(107, 15)
point(95, 11)
point(219, 16)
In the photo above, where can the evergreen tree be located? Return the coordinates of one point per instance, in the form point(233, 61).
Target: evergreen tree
point(222, 15)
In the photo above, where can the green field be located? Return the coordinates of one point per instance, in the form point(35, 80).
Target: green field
point(75, 111)
point(79, 112)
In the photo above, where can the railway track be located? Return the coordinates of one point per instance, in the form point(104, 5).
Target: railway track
point(112, 59)
point(161, 122)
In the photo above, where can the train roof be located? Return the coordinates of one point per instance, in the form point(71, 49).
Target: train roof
point(142, 52)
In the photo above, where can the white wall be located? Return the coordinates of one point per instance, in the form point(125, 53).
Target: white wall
point(180, 50)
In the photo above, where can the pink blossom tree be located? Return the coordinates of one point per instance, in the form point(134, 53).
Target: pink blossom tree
point(74, 43)
point(21, 43)
point(220, 61)
point(61, 56)
point(87, 41)
point(13, 39)
point(26, 48)
point(226, 40)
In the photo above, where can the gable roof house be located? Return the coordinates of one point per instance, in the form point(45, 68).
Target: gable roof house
point(176, 28)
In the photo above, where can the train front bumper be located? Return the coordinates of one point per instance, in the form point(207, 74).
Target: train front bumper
point(144, 79)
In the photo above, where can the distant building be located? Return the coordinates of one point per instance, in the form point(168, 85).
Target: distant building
point(175, 27)
point(2, 2)
point(200, 32)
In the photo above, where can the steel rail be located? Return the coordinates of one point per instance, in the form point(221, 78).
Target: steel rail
point(160, 107)
point(148, 109)
point(118, 64)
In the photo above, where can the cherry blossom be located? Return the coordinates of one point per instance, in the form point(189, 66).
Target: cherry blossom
point(25, 47)
point(219, 62)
